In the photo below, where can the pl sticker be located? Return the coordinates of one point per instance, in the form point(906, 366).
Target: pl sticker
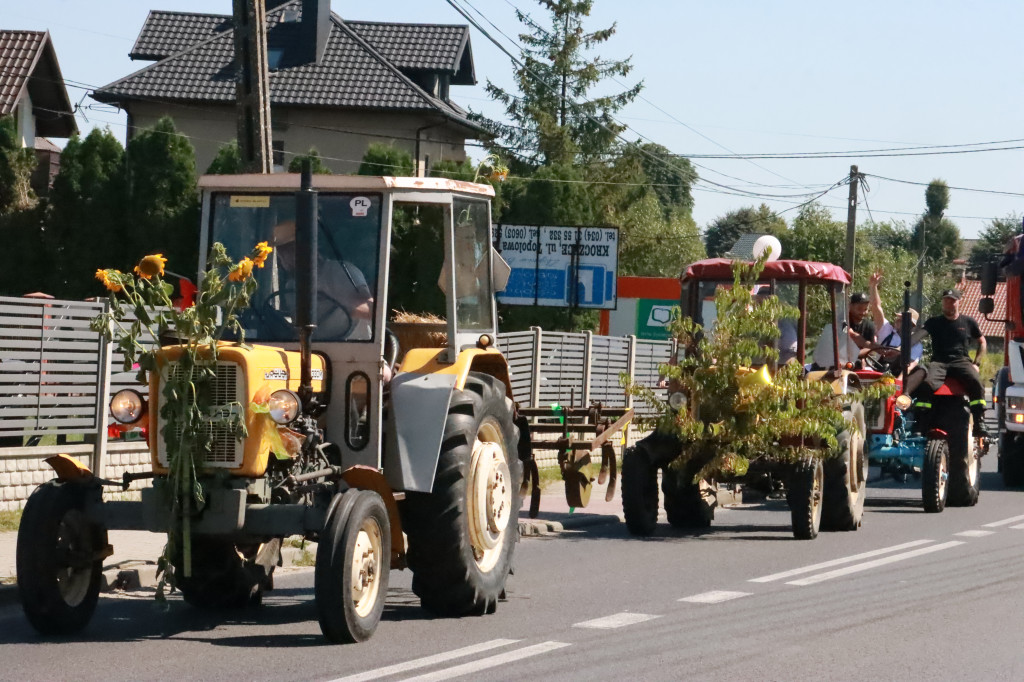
point(360, 206)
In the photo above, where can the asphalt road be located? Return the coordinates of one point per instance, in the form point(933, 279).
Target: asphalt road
point(909, 596)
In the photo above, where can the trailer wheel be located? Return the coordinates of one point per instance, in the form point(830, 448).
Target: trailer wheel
point(846, 482)
point(935, 475)
point(463, 533)
point(58, 559)
point(688, 504)
point(639, 491)
point(1011, 455)
point(224, 575)
point(353, 564)
point(804, 494)
point(964, 468)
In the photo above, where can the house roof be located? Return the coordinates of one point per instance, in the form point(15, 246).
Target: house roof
point(196, 57)
point(970, 294)
point(29, 57)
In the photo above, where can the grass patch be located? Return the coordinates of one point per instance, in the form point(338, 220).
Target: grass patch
point(990, 364)
point(10, 520)
point(550, 476)
point(305, 559)
point(296, 541)
point(9, 581)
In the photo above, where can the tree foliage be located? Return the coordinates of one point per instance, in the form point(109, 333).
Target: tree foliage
point(554, 116)
point(724, 231)
point(228, 160)
point(386, 159)
point(16, 166)
point(653, 245)
point(992, 240)
point(941, 236)
point(316, 164)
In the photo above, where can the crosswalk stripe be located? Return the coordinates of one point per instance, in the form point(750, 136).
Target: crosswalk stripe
point(856, 568)
point(1019, 526)
point(427, 661)
point(838, 562)
point(1004, 522)
point(489, 662)
point(617, 620)
point(974, 533)
point(714, 597)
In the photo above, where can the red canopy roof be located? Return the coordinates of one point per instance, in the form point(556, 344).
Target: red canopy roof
point(721, 269)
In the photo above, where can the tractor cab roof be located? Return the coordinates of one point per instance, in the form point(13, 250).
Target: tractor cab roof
point(341, 183)
point(785, 270)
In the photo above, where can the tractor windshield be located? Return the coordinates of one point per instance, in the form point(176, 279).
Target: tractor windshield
point(349, 241)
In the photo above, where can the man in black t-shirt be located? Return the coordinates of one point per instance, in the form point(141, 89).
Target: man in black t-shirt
point(860, 322)
point(952, 336)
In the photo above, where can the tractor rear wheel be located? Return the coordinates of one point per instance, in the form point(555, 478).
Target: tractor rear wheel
point(58, 559)
point(688, 504)
point(224, 575)
point(639, 491)
point(1011, 458)
point(846, 483)
point(463, 533)
point(935, 475)
point(353, 564)
point(804, 494)
point(964, 468)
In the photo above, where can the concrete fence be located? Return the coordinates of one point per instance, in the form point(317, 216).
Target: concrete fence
point(57, 376)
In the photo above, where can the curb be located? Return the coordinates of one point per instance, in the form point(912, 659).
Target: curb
point(532, 527)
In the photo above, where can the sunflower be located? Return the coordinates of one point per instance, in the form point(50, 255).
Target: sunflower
point(108, 277)
point(242, 271)
point(151, 265)
point(262, 251)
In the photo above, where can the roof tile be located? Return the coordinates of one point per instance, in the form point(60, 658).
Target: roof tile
point(19, 51)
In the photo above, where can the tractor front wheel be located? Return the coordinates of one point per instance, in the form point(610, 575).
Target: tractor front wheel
point(846, 483)
point(688, 504)
point(964, 468)
point(639, 491)
point(804, 494)
point(463, 533)
point(353, 564)
point(935, 475)
point(58, 559)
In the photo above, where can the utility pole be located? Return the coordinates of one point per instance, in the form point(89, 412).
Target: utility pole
point(253, 88)
point(851, 223)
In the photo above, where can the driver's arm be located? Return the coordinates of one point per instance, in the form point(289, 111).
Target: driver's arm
point(982, 349)
point(875, 300)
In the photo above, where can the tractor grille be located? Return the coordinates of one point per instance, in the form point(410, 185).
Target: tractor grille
point(226, 451)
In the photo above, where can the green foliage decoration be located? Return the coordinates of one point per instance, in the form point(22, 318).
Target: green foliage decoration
point(731, 419)
point(140, 309)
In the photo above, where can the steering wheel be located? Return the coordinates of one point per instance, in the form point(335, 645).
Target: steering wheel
point(271, 320)
point(392, 349)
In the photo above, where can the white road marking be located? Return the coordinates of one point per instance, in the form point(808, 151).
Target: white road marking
point(838, 562)
point(714, 597)
point(427, 661)
point(490, 662)
point(1004, 522)
point(974, 533)
point(856, 568)
point(617, 620)
point(1019, 526)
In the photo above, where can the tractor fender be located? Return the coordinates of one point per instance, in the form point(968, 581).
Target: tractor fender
point(68, 468)
point(937, 434)
point(369, 478)
point(421, 392)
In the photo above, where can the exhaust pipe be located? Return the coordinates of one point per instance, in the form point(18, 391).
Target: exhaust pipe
point(306, 277)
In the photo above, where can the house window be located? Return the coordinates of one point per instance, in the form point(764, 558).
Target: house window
point(278, 146)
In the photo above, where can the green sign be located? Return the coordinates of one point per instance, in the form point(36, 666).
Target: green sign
point(653, 316)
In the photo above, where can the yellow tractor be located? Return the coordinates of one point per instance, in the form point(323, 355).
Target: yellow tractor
point(387, 443)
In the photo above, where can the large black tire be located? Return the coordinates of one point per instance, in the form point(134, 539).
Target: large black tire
point(935, 475)
point(463, 533)
point(353, 564)
point(639, 491)
point(846, 484)
point(688, 504)
point(224, 575)
point(804, 494)
point(1011, 456)
point(59, 559)
point(964, 468)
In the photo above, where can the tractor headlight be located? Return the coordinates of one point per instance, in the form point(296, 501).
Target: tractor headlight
point(677, 401)
point(127, 406)
point(903, 402)
point(284, 407)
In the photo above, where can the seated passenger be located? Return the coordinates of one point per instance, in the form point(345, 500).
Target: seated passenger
point(888, 337)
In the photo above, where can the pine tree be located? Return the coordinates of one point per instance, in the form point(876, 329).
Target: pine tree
point(553, 119)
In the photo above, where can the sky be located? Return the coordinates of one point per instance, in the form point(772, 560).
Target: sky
point(724, 77)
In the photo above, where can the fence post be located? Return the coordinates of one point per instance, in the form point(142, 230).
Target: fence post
point(630, 365)
point(588, 341)
point(535, 373)
point(99, 455)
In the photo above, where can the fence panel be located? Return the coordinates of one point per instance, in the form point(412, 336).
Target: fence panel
point(609, 357)
point(561, 368)
point(519, 349)
point(650, 354)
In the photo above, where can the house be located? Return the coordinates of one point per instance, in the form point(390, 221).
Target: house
point(32, 91)
point(335, 85)
point(992, 329)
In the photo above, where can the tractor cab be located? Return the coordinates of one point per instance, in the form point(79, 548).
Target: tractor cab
point(816, 289)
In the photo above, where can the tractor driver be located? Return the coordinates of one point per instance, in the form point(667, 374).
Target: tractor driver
point(952, 335)
point(889, 341)
point(786, 344)
point(344, 301)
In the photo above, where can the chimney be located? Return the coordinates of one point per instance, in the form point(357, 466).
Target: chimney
point(315, 28)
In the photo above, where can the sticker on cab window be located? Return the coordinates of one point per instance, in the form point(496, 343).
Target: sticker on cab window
point(250, 201)
point(360, 206)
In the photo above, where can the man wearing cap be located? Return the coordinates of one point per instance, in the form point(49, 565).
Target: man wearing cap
point(952, 335)
point(889, 341)
point(859, 320)
point(786, 344)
